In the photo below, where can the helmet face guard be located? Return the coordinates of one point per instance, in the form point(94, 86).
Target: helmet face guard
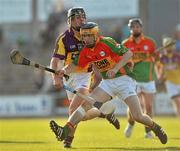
point(73, 13)
point(89, 33)
point(133, 24)
point(135, 21)
point(167, 41)
point(76, 11)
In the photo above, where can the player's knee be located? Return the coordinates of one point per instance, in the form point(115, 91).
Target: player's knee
point(138, 117)
point(98, 105)
point(86, 106)
point(75, 103)
point(81, 111)
point(108, 107)
point(72, 108)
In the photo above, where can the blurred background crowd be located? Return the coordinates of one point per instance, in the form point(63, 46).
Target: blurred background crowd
point(32, 27)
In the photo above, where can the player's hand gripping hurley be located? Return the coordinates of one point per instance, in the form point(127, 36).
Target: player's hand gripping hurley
point(17, 58)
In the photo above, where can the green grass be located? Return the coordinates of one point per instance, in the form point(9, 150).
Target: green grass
point(94, 135)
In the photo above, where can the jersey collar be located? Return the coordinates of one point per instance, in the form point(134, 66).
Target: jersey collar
point(71, 32)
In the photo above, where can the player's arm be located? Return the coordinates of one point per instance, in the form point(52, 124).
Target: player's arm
point(69, 68)
point(57, 62)
point(153, 53)
point(79, 61)
point(160, 71)
point(122, 62)
point(96, 78)
point(120, 50)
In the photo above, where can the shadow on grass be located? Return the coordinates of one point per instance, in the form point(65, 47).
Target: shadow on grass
point(176, 138)
point(132, 148)
point(22, 142)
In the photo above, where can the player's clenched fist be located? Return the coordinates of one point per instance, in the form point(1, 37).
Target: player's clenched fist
point(58, 79)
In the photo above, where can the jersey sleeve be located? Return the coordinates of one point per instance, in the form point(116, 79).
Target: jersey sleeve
point(59, 50)
point(115, 47)
point(152, 44)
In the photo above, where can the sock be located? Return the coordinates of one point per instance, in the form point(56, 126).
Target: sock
point(69, 125)
point(92, 113)
point(131, 123)
point(102, 115)
point(98, 104)
point(77, 116)
point(67, 129)
point(108, 107)
point(147, 129)
point(68, 140)
point(155, 126)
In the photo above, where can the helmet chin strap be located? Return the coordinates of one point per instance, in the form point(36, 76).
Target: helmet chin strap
point(91, 45)
point(76, 28)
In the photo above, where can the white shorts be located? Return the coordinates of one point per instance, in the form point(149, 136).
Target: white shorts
point(122, 87)
point(146, 87)
point(172, 89)
point(77, 81)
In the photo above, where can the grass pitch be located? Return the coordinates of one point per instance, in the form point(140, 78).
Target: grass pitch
point(94, 135)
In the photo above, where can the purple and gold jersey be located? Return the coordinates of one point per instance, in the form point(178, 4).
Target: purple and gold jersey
point(171, 65)
point(67, 47)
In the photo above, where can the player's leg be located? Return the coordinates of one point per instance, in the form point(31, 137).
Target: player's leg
point(102, 94)
point(76, 100)
point(173, 91)
point(126, 92)
point(80, 113)
point(139, 116)
point(131, 122)
point(94, 112)
point(148, 101)
point(148, 92)
point(105, 111)
point(80, 82)
point(75, 103)
point(130, 126)
point(63, 132)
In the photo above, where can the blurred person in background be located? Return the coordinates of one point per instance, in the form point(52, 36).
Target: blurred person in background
point(143, 49)
point(177, 37)
point(117, 33)
point(125, 30)
point(68, 46)
point(1, 35)
point(169, 72)
point(54, 22)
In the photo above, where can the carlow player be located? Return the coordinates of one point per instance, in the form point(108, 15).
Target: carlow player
point(143, 49)
point(111, 59)
point(67, 48)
